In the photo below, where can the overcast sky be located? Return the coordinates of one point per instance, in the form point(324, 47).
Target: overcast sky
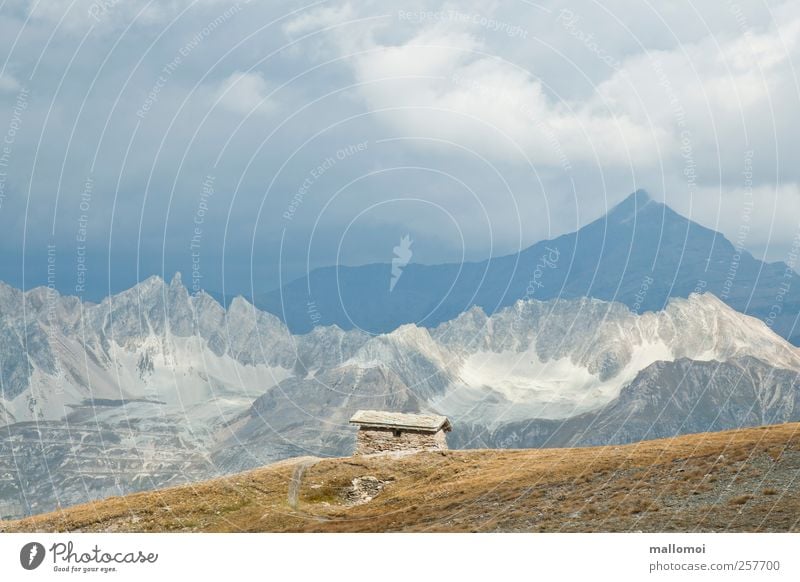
point(228, 138)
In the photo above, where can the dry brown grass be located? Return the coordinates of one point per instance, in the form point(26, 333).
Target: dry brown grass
point(706, 482)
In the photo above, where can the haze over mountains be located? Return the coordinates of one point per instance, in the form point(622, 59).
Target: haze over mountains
point(640, 254)
point(155, 386)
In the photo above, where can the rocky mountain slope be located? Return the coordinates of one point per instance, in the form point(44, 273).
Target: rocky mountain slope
point(667, 399)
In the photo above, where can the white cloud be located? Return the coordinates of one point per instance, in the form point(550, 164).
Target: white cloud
point(731, 94)
point(8, 84)
point(244, 93)
point(318, 19)
point(445, 82)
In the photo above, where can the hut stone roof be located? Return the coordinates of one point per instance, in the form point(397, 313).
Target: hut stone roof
point(398, 420)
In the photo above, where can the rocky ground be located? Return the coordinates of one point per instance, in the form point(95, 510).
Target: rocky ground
point(744, 480)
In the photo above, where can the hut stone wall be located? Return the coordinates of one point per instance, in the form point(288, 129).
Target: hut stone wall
point(381, 440)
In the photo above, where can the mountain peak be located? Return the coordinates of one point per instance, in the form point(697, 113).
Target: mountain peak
point(239, 303)
point(640, 204)
point(640, 196)
point(633, 203)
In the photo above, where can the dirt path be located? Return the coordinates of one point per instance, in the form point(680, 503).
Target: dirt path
point(303, 463)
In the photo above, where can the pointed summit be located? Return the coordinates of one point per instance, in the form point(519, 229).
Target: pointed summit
point(176, 280)
point(636, 205)
point(633, 203)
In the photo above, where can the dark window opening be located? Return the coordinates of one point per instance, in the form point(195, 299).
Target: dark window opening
point(396, 432)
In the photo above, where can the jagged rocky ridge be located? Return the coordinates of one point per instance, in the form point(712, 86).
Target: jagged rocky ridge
point(154, 386)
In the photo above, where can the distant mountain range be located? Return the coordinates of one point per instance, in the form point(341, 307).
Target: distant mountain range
point(155, 386)
point(640, 254)
point(556, 373)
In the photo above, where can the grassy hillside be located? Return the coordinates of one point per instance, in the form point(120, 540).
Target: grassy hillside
point(743, 480)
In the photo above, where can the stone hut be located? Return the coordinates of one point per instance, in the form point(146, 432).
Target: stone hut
point(380, 432)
